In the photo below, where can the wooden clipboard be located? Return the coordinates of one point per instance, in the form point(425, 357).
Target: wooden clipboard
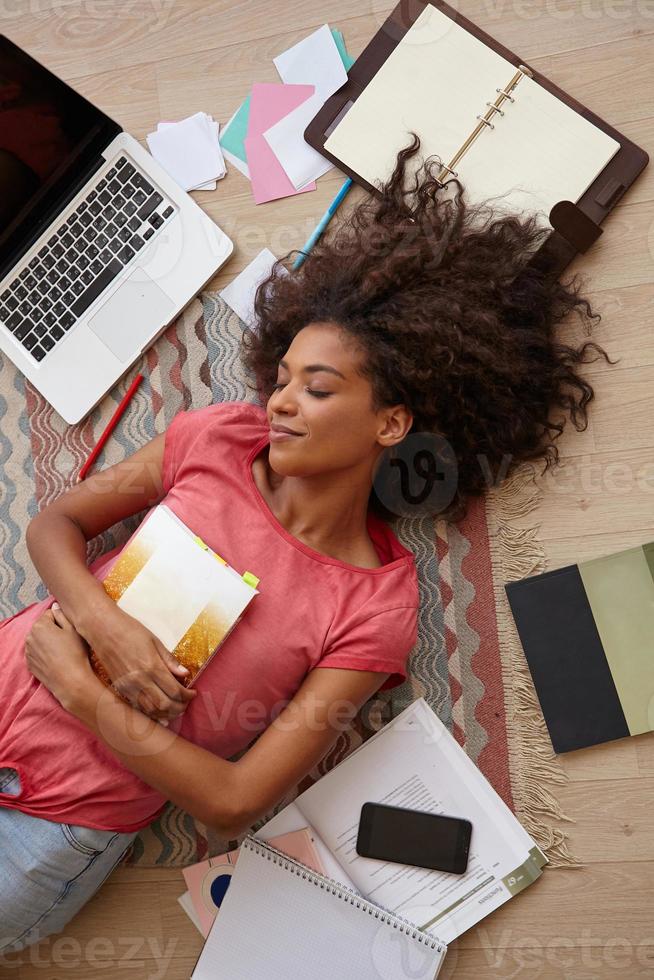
point(576, 225)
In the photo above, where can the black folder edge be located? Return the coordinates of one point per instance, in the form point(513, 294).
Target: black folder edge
point(573, 681)
point(576, 226)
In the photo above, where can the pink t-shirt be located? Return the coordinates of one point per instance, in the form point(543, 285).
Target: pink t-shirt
point(312, 611)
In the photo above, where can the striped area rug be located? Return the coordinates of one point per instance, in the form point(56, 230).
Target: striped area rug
point(467, 662)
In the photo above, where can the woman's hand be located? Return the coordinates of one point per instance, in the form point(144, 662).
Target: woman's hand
point(141, 669)
point(58, 657)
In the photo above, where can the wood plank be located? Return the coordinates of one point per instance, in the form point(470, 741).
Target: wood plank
point(603, 76)
point(601, 490)
point(554, 961)
point(144, 32)
point(622, 256)
point(613, 760)
point(625, 330)
point(565, 551)
point(611, 824)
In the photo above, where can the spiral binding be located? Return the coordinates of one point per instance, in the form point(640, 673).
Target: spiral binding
point(327, 884)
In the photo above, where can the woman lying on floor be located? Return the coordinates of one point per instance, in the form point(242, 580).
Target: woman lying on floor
point(409, 318)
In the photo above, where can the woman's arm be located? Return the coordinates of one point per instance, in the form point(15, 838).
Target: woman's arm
point(141, 668)
point(231, 796)
point(57, 536)
point(228, 796)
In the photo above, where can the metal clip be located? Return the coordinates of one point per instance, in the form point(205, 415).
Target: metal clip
point(495, 107)
point(506, 95)
point(485, 122)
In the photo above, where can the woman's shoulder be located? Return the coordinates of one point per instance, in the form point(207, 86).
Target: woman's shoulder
point(214, 432)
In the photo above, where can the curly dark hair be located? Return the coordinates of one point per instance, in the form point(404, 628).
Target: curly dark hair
point(453, 318)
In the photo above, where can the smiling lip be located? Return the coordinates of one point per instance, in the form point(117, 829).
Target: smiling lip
point(284, 429)
point(282, 433)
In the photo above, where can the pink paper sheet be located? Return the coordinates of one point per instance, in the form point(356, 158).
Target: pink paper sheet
point(269, 103)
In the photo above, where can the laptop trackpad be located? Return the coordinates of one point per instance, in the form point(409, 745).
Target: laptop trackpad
point(132, 315)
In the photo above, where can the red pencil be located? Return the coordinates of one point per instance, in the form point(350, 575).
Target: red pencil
point(110, 427)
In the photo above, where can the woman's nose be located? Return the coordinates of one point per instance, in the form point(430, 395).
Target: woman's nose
point(283, 400)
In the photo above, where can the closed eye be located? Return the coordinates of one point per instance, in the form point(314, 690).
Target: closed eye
point(316, 394)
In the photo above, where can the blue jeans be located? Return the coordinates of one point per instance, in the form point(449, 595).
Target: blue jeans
point(48, 871)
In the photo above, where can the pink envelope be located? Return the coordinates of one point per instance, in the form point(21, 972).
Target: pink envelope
point(269, 103)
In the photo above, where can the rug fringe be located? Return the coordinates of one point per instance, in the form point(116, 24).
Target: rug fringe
point(517, 553)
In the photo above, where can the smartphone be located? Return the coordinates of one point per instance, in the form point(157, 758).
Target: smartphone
point(427, 840)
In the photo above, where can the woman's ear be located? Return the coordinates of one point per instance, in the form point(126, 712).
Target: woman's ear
point(396, 425)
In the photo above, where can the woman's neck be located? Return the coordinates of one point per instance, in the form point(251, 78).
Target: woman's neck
point(328, 512)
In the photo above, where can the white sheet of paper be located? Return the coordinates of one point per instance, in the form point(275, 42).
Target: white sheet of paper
point(286, 139)
point(240, 292)
point(314, 60)
point(210, 185)
point(189, 151)
point(540, 151)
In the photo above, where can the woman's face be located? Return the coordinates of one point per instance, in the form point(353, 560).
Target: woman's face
point(322, 397)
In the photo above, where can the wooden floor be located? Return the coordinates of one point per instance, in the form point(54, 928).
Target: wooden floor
point(146, 60)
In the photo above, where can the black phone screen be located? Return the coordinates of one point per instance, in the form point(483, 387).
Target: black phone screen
point(427, 840)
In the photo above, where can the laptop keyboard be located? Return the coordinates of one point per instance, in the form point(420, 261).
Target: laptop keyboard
point(108, 229)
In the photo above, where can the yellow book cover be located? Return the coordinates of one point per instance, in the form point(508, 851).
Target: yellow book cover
point(181, 590)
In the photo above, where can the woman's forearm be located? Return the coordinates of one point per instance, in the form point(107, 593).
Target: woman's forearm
point(200, 782)
point(58, 549)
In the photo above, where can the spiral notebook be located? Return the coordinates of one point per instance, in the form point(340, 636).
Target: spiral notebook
point(282, 920)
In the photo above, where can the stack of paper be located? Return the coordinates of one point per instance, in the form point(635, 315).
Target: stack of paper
point(315, 61)
point(190, 151)
point(264, 139)
point(268, 104)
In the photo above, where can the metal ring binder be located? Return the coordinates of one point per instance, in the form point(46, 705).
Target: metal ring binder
point(340, 891)
point(504, 93)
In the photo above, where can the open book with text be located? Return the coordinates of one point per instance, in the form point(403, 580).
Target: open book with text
point(414, 762)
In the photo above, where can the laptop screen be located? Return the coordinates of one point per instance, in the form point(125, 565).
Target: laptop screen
point(50, 137)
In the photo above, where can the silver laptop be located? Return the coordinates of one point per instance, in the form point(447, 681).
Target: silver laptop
point(99, 248)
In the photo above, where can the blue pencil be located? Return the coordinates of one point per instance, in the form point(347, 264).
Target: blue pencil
point(322, 224)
